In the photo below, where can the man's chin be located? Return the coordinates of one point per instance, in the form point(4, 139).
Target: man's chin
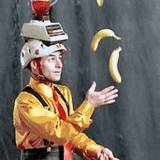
point(56, 79)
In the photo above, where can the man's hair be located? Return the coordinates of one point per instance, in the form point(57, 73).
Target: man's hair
point(29, 66)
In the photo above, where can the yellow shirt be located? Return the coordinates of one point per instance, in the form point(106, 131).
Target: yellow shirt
point(33, 123)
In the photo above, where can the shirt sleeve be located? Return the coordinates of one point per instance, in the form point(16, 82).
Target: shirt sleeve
point(84, 146)
point(81, 117)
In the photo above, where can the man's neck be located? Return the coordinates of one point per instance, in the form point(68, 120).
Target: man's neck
point(41, 79)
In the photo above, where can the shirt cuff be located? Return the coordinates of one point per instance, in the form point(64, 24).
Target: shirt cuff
point(86, 108)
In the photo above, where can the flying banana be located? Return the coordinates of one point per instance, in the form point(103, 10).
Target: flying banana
point(113, 65)
point(100, 3)
point(103, 33)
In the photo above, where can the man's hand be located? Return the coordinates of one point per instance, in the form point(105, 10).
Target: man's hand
point(105, 154)
point(105, 96)
point(101, 154)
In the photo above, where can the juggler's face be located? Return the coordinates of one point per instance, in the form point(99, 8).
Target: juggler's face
point(51, 66)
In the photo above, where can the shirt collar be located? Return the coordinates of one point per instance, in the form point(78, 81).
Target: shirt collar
point(41, 88)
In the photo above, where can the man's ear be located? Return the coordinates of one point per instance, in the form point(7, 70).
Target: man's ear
point(34, 67)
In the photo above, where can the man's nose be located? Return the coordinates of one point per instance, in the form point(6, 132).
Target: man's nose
point(59, 63)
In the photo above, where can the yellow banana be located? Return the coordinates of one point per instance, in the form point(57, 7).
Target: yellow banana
point(113, 65)
point(100, 3)
point(103, 33)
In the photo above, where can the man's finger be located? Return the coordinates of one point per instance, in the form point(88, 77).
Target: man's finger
point(93, 87)
point(106, 157)
point(110, 101)
point(108, 89)
point(111, 92)
point(102, 157)
point(108, 153)
point(111, 97)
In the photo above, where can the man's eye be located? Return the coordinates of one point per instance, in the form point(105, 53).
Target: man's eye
point(51, 59)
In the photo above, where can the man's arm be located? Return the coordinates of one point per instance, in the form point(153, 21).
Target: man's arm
point(81, 117)
point(86, 147)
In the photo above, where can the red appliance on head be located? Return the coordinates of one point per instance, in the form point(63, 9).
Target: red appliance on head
point(42, 7)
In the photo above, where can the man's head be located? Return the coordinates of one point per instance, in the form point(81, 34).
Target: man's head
point(44, 61)
point(49, 66)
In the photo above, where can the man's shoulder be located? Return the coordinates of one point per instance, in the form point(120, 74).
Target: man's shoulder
point(25, 96)
point(62, 87)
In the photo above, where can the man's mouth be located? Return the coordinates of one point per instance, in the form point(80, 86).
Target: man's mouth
point(58, 72)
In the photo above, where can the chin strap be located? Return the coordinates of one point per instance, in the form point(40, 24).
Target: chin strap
point(40, 76)
point(38, 62)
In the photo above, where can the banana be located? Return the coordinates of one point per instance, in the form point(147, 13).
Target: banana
point(113, 65)
point(100, 3)
point(103, 33)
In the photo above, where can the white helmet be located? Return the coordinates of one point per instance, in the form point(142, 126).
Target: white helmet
point(35, 49)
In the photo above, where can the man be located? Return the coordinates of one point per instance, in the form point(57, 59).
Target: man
point(47, 127)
